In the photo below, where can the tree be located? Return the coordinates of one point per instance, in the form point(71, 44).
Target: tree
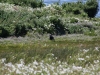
point(91, 8)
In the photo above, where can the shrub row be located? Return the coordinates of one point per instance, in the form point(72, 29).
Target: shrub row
point(90, 7)
point(31, 3)
point(51, 19)
point(19, 24)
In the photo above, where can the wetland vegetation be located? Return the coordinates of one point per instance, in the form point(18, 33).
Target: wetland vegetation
point(25, 48)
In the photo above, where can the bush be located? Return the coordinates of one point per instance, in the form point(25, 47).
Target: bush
point(14, 23)
point(72, 29)
point(3, 15)
point(58, 25)
point(88, 32)
point(73, 20)
point(88, 25)
point(35, 3)
point(84, 14)
point(68, 7)
point(91, 8)
point(32, 3)
point(20, 30)
point(76, 11)
point(73, 7)
point(42, 20)
point(6, 30)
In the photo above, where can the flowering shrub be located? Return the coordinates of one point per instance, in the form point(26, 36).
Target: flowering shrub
point(58, 25)
point(32, 3)
point(73, 20)
point(18, 21)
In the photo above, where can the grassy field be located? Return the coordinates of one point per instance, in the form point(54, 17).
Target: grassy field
point(25, 48)
point(74, 54)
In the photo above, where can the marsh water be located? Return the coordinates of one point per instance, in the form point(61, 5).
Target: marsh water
point(47, 2)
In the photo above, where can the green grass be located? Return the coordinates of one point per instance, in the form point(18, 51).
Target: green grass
point(68, 54)
point(74, 51)
point(62, 49)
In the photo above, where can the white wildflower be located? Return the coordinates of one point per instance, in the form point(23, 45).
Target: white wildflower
point(77, 68)
point(96, 61)
point(85, 50)
point(87, 57)
point(35, 63)
point(97, 48)
point(56, 44)
point(81, 59)
point(3, 60)
point(18, 71)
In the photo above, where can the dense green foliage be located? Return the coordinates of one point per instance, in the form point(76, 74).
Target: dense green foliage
point(75, 53)
point(54, 19)
point(75, 8)
point(91, 8)
point(31, 3)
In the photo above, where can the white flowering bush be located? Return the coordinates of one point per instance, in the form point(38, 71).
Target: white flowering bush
point(31, 3)
point(19, 21)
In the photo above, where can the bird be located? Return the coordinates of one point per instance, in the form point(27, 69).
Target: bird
point(51, 37)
